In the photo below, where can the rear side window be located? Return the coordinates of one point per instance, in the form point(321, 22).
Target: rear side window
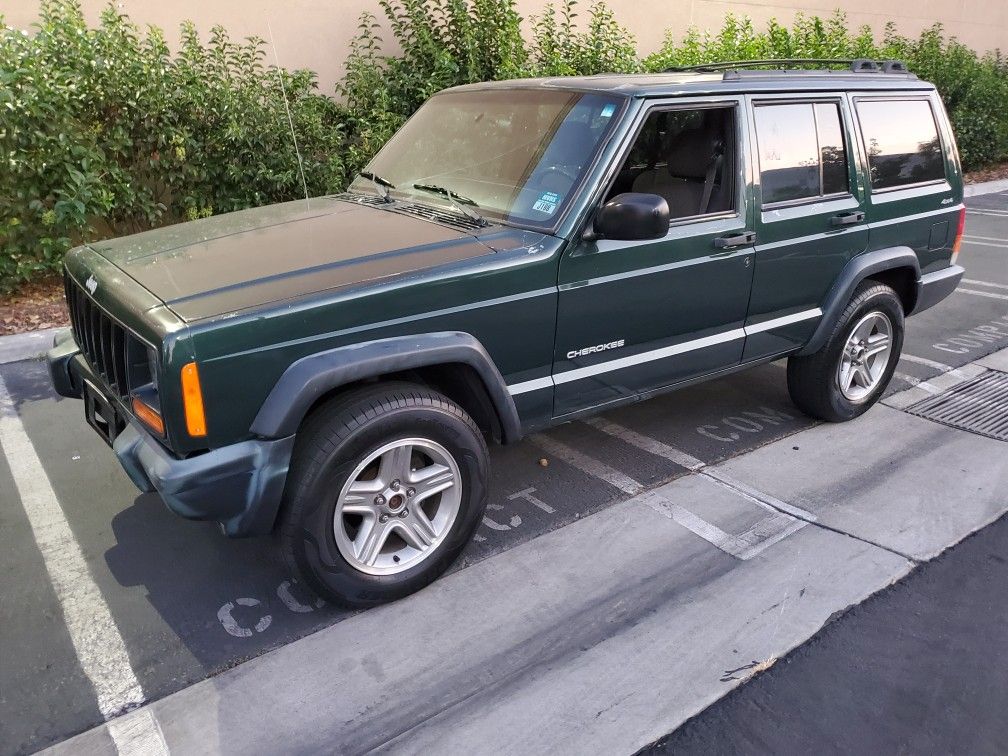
point(901, 137)
point(801, 151)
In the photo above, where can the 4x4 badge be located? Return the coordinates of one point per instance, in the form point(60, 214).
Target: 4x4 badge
point(91, 285)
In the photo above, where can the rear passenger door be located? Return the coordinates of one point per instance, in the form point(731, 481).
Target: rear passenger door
point(810, 215)
point(907, 156)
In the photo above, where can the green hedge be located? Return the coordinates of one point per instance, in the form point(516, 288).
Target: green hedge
point(105, 131)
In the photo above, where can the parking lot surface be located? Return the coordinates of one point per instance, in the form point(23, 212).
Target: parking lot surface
point(189, 604)
point(918, 668)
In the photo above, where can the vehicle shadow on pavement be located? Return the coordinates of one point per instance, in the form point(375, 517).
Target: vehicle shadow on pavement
point(223, 604)
point(27, 382)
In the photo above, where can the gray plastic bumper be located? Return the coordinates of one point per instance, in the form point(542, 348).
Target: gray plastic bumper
point(240, 485)
point(934, 287)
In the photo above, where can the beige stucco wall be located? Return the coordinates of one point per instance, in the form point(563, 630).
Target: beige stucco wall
point(315, 33)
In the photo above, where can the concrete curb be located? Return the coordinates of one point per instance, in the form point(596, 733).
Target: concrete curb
point(26, 346)
point(985, 187)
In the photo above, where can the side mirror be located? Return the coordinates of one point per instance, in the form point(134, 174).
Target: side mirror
point(633, 216)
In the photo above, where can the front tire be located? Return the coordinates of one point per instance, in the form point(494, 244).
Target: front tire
point(387, 485)
point(849, 373)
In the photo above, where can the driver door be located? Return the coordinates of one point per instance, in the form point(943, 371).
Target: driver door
point(638, 316)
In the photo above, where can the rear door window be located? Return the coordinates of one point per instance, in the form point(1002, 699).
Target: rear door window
point(801, 151)
point(901, 138)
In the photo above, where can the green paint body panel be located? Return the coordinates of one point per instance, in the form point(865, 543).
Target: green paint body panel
point(247, 294)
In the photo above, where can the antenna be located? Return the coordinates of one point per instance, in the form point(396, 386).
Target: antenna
point(290, 120)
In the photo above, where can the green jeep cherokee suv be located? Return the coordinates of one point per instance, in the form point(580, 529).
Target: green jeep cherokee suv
point(519, 254)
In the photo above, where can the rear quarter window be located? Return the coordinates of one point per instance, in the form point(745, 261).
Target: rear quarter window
point(901, 138)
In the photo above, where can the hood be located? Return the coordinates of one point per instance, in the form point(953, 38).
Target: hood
point(240, 260)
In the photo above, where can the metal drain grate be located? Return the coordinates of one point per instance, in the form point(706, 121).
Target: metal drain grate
point(979, 405)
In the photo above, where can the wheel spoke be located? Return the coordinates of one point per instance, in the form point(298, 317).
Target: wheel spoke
point(395, 464)
point(876, 344)
point(372, 537)
point(359, 498)
point(416, 530)
point(430, 480)
point(864, 377)
point(863, 331)
point(846, 374)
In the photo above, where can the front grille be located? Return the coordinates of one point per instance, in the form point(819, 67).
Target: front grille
point(116, 356)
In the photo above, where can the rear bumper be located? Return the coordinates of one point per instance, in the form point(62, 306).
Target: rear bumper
point(934, 287)
point(240, 486)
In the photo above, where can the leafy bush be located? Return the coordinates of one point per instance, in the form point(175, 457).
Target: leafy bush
point(973, 88)
point(559, 49)
point(445, 43)
point(104, 131)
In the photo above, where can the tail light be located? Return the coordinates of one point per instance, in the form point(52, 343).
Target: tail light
point(958, 237)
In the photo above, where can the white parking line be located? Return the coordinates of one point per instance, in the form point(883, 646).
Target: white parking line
point(989, 294)
point(588, 464)
point(992, 213)
point(653, 445)
point(100, 647)
point(784, 518)
point(138, 734)
point(975, 282)
point(999, 239)
point(985, 243)
point(930, 363)
point(918, 382)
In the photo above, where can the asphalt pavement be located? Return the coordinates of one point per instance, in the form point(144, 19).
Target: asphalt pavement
point(185, 605)
point(918, 668)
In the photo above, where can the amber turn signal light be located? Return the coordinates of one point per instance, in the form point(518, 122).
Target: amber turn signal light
point(192, 400)
point(148, 415)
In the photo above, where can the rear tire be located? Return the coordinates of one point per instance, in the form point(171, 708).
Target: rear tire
point(387, 485)
point(849, 373)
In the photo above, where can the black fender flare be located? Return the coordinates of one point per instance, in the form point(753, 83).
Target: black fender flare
point(857, 270)
point(311, 377)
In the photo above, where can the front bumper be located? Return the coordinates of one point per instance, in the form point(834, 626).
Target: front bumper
point(240, 485)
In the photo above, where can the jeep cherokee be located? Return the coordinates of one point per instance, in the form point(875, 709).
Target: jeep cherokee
point(519, 254)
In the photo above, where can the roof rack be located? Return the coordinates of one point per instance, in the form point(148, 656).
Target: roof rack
point(856, 65)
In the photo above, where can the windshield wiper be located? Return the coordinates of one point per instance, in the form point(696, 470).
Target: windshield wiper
point(460, 202)
point(383, 185)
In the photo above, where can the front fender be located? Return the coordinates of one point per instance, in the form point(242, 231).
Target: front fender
point(311, 377)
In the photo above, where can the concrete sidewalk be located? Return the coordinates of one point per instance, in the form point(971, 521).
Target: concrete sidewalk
point(604, 635)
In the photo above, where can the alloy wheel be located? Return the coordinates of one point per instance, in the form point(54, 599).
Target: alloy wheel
point(397, 506)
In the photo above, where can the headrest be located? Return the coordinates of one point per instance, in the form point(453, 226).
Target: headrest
point(692, 152)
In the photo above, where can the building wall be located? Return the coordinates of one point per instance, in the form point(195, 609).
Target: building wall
point(315, 33)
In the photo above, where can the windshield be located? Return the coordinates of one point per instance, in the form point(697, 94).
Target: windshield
point(512, 155)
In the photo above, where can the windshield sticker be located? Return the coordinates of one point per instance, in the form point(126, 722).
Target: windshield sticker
point(547, 203)
point(607, 111)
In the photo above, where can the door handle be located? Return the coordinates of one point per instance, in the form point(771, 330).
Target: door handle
point(735, 240)
point(847, 219)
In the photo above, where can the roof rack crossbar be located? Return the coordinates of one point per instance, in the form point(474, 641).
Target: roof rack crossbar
point(857, 65)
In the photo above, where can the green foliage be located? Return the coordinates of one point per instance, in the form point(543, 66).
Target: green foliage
point(104, 132)
point(559, 49)
point(973, 88)
point(445, 43)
